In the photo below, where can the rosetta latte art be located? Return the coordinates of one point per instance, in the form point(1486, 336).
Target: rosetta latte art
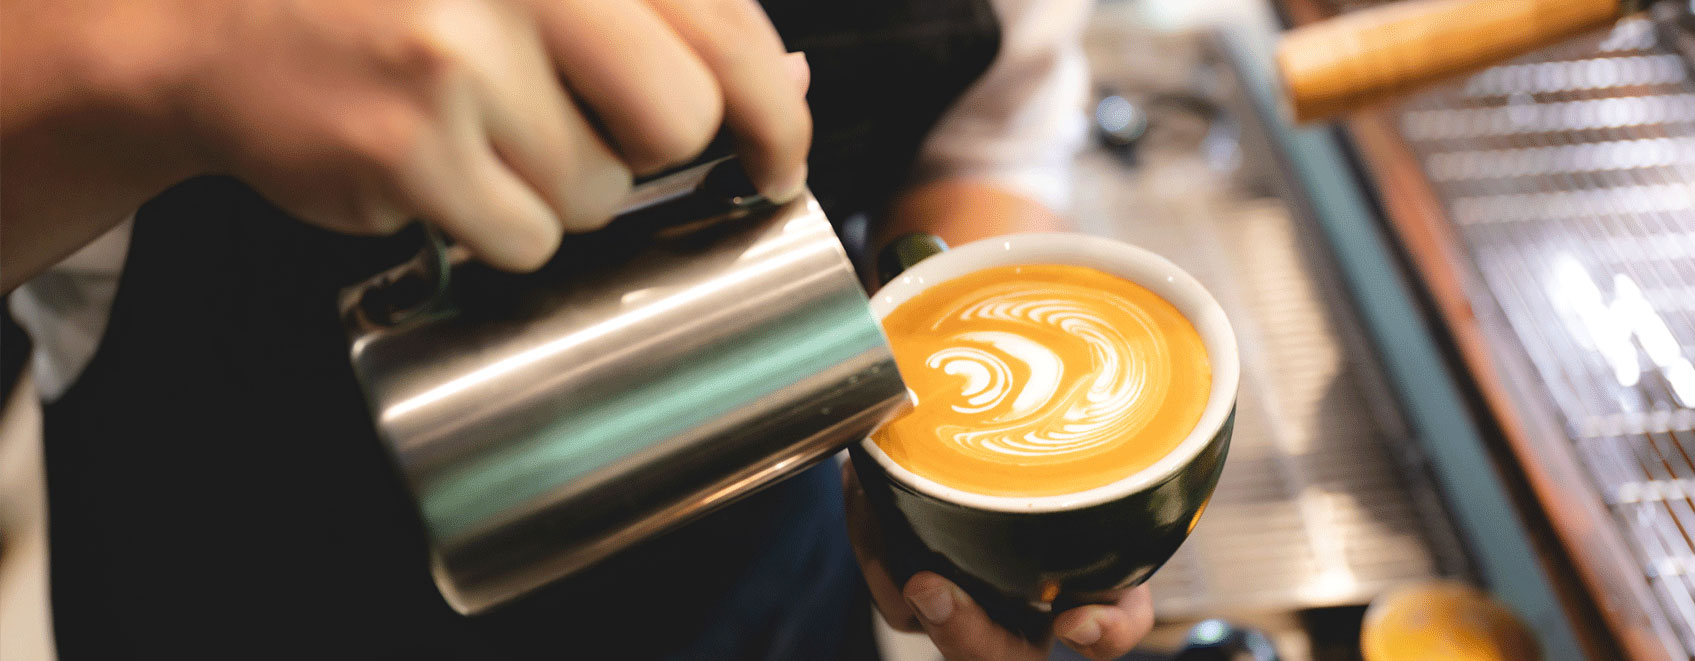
point(1034, 380)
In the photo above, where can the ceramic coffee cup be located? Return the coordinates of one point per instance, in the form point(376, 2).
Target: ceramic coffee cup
point(1020, 557)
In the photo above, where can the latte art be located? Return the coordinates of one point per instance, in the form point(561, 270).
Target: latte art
point(1041, 380)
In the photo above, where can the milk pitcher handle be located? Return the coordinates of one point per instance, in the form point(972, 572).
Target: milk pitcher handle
point(684, 198)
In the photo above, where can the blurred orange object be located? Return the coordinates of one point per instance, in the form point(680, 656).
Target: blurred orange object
point(1344, 63)
point(1444, 620)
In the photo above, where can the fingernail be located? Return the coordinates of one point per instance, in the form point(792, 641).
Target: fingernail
point(1083, 635)
point(790, 188)
point(935, 606)
point(800, 71)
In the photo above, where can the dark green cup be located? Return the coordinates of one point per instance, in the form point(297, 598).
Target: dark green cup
point(1026, 558)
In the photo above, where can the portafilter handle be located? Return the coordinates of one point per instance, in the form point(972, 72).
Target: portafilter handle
point(1345, 63)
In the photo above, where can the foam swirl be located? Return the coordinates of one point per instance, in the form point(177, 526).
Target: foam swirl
point(1040, 366)
point(1105, 383)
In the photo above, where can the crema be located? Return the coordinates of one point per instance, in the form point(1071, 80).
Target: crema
point(1041, 380)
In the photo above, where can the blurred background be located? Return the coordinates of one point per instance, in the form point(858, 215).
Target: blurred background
point(1467, 320)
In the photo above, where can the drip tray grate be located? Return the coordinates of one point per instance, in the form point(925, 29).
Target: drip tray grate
point(1570, 177)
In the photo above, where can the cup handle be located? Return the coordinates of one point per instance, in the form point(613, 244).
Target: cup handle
point(905, 251)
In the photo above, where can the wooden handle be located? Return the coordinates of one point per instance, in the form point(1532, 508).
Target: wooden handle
point(1351, 61)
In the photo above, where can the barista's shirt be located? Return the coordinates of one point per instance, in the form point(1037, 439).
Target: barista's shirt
point(130, 524)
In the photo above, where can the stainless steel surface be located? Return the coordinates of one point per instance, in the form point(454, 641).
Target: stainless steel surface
point(1570, 177)
point(1316, 506)
point(546, 421)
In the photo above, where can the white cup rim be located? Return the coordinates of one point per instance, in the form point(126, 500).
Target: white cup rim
point(1130, 262)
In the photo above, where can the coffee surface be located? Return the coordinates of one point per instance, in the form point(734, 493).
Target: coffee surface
point(1042, 380)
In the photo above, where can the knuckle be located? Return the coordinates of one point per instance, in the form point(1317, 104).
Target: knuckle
point(423, 63)
point(425, 56)
point(415, 44)
point(414, 53)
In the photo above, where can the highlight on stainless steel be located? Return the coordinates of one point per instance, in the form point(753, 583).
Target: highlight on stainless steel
point(545, 421)
point(1318, 505)
point(1570, 176)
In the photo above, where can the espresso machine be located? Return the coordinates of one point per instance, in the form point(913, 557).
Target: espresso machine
point(1533, 164)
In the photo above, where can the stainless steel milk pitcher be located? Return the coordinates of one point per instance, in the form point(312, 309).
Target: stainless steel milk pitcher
point(704, 345)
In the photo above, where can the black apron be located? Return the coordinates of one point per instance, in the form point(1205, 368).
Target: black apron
point(216, 489)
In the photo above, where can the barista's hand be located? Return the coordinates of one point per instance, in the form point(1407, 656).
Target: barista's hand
point(960, 628)
point(363, 115)
point(359, 116)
